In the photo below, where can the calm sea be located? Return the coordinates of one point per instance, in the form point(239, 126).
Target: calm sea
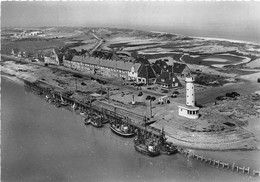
point(43, 143)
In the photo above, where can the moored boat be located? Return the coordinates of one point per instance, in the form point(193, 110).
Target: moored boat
point(63, 102)
point(47, 97)
point(168, 149)
point(122, 130)
point(146, 149)
point(96, 121)
point(165, 147)
point(87, 121)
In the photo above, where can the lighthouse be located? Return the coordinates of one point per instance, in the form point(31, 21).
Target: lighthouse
point(189, 110)
point(190, 94)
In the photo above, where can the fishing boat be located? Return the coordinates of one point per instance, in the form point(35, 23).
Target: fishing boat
point(96, 121)
point(74, 107)
point(47, 97)
point(165, 147)
point(168, 149)
point(87, 120)
point(149, 149)
point(122, 130)
point(63, 102)
point(82, 113)
point(145, 147)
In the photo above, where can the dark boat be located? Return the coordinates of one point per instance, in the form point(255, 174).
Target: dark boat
point(96, 121)
point(165, 147)
point(87, 120)
point(146, 149)
point(144, 146)
point(63, 102)
point(122, 130)
point(168, 149)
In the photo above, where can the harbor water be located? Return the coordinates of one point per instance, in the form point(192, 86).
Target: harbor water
point(41, 142)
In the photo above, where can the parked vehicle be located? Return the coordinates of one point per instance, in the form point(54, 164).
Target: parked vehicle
point(148, 97)
point(140, 94)
point(232, 94)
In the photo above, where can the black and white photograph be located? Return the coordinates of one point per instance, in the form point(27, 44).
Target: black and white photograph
point(130, 91)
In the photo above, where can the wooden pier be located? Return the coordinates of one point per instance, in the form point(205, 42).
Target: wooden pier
point(221, 164)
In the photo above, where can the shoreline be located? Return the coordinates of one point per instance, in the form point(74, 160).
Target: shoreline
point(210, 38)
point(177, 139)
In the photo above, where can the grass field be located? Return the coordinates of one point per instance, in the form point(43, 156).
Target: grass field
point(31, 45)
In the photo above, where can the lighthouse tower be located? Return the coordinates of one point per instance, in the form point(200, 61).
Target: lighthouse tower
point(190, 95)
point(189, 110)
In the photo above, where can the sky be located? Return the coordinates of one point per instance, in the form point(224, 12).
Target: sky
point(201, 16)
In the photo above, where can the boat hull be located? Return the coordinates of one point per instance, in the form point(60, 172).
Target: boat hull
point(95, 124)
point(120, 133)
point(169, 151)
point(143, 150)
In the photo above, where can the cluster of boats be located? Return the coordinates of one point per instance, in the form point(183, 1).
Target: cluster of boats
point(56, 102)
point(150, 146)
point(154, 146)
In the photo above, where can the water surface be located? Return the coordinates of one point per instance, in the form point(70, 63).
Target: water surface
point(43, 143)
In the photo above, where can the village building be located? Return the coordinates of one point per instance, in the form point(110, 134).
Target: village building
point(146, 75)
point(104, 67)
point(160, 66)
point(168, 80)
point(54, 57)
point(179, 69)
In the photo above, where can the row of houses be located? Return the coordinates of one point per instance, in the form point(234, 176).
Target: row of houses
point(139, 71)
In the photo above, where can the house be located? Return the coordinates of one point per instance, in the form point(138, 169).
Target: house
point(146, 74)
point(159, 66)
point(179, 69)
point(133, 73)
point(168, 80)
point(104, 67)
point(58, 56)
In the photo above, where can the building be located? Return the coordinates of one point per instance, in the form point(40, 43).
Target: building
point(146, 74)
point(104, 67)
point(189, 110)
point(159, 66)
point(168, 80)
point(179, 69)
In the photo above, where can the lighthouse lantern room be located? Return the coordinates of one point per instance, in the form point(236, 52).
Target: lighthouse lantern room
point(189, 110)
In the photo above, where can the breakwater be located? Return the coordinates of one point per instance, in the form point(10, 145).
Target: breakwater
point(220, 164)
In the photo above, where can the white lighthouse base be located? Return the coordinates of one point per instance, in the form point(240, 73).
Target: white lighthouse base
point(190, 112)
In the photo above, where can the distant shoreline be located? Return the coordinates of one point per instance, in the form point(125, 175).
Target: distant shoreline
point(210, 38)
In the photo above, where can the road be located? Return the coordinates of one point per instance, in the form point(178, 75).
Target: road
point(99, 43)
